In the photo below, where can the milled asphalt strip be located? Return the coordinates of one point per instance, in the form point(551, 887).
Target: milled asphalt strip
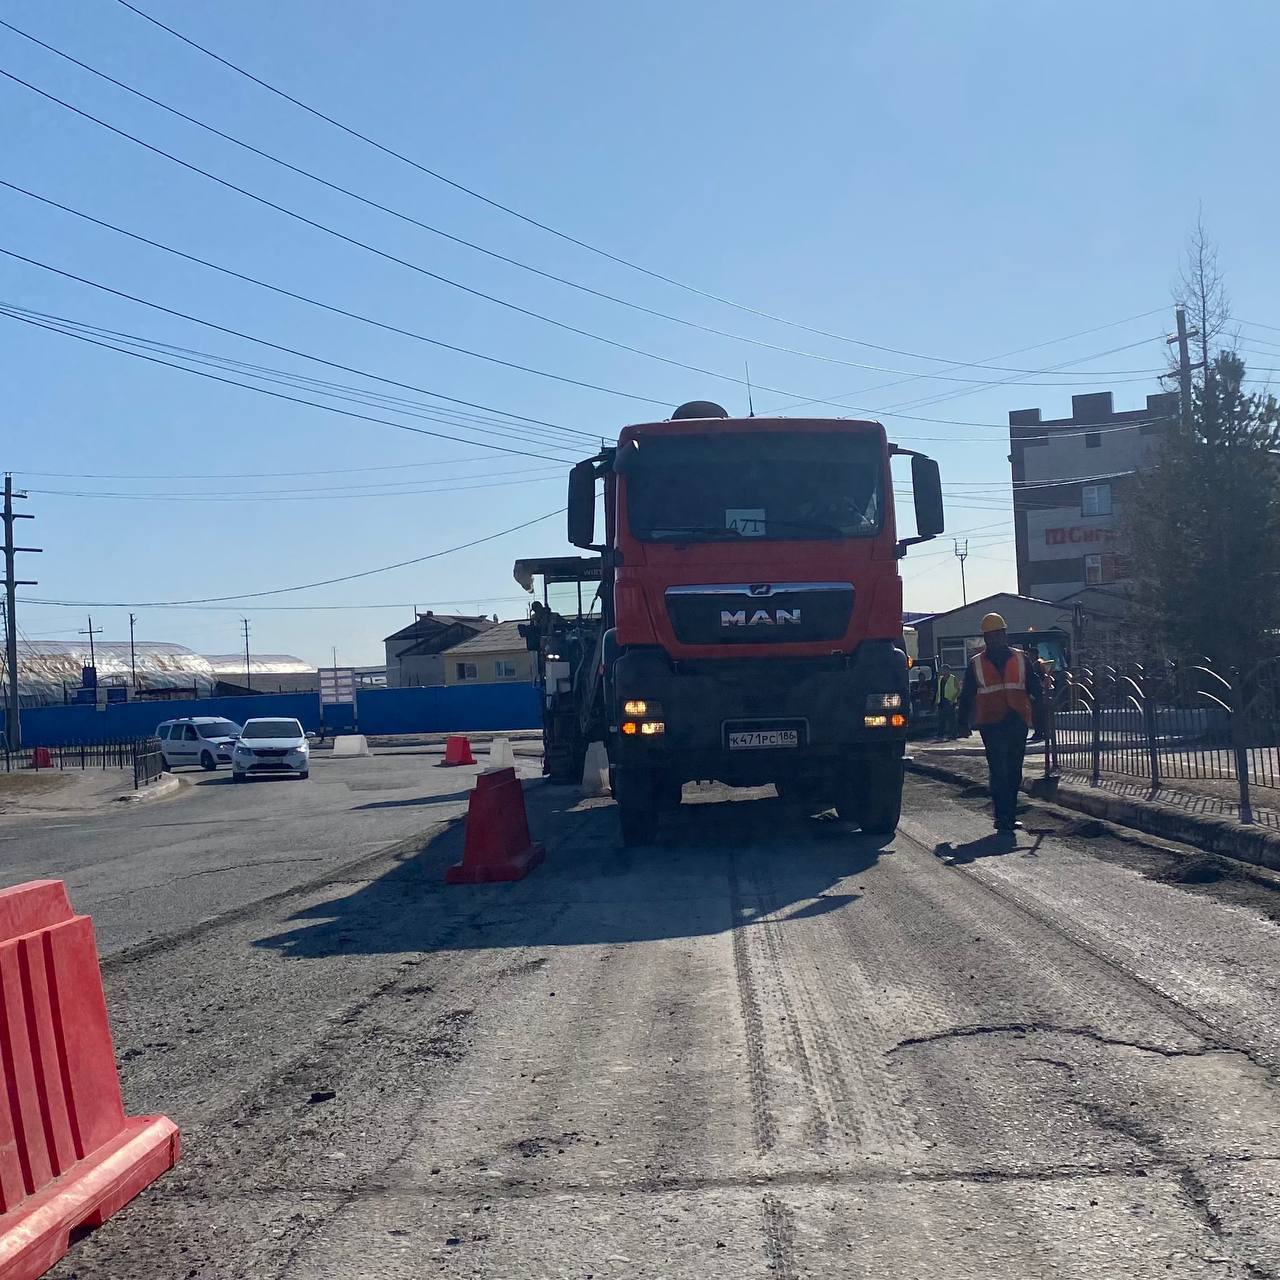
point(870, 1176)
point(1191, 1021)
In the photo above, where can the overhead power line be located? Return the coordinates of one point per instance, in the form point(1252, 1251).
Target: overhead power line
point(560, 438)
point(351, 315)
point(239, 475)
point(356, 242)
point(355, 316)
point(492, 253)
point(287, 496)
point(346, 577)
point(512, 212)
point(237, 333)
point(231, 382)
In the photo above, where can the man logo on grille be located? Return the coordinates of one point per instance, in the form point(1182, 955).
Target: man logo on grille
point(759, 618)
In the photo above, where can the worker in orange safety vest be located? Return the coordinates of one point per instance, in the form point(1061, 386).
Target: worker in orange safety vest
point(1001, 697)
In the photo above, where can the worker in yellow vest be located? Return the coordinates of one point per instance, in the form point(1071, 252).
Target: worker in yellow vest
point(1001, 697)
point(948, 692)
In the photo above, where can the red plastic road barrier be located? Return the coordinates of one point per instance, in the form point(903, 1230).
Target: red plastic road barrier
point(457, 750)
point(497, 845)
point(41, 758)
point(69, 1157)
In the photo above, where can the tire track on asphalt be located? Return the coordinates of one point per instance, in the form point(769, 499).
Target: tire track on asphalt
point(764, 1124)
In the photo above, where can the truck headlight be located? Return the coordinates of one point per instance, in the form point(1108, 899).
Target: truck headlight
point(884, 701)
point(640, 708)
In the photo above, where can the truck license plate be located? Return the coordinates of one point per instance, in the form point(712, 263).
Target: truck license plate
point(747, 739)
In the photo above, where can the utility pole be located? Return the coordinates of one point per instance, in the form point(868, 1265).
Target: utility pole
point(133, 657)
point(248, 673)
point(13, 734)
point(1184, 364)
point(93, 631)
point(962, 555)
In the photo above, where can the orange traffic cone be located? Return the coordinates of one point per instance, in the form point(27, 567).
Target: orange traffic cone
point(457, 750)
point(497, 844)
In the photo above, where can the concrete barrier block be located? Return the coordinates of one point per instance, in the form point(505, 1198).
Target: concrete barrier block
point(351, 744)
point(595, 771)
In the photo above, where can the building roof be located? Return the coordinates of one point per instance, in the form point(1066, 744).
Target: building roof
point(274, 664)
point(989, 600)
point(501, 637)
point(428, 622)
point(45, 666)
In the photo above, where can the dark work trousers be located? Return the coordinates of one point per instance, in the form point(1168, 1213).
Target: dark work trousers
point(1005, 744)
point(946, 719)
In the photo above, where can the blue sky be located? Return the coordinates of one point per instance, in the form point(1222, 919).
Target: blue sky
point(955, 181)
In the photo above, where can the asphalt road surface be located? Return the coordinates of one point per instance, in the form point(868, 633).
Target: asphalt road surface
point(765, 1046)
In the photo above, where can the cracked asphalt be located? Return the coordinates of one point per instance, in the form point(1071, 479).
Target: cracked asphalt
point(765, 1046)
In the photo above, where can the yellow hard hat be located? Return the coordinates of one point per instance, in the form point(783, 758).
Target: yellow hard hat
point(993, 622)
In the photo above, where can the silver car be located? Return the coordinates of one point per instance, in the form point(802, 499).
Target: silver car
point(271, 745)
point(202, 740)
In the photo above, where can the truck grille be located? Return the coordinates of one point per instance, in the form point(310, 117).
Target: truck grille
point(760, 613)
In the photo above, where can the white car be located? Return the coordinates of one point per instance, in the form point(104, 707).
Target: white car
point(270, 745)
point(202, 740)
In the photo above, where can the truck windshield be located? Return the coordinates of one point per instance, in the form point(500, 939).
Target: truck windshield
point(774, 486)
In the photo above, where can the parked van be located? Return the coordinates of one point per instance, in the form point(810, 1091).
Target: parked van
point(202, 740)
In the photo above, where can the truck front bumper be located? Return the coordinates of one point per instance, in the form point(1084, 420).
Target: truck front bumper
point(712, 714)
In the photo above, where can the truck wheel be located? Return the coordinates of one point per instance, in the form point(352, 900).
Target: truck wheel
point(873, 799)
point(636, 797)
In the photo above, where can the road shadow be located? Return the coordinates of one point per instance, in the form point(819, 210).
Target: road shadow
point(714, 862)
point(227, 780)
point(415, 802)
point(996, 845)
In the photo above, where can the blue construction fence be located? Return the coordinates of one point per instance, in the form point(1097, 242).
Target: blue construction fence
point(446, 709)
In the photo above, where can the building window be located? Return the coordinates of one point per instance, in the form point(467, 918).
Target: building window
point(1093, 440)
point(1095, 500)
point(504, 669)
point(466, 670)
point(1093, 574)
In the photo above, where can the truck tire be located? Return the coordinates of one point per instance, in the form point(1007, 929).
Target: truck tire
point(565, 758)
point(637, 800)
point(873, 797)
point(882, 806)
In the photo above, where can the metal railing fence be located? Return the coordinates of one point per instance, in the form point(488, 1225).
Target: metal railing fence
point(1168, 722)
point(142, 755)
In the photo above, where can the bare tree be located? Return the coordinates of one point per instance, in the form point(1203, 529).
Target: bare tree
point(1202, 291)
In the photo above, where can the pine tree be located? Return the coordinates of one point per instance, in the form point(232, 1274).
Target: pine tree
point(1205, 530)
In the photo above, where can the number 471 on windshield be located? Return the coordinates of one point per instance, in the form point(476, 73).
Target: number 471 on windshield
point(747, 521)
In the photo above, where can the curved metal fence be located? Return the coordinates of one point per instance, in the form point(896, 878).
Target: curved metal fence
point(1169, 722)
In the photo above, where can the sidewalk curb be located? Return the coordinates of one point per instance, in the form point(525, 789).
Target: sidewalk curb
point(1217, 835)
point(168, 784)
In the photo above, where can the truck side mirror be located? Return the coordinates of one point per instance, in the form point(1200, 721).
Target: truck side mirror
point(582, 504)
point(926, 485)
